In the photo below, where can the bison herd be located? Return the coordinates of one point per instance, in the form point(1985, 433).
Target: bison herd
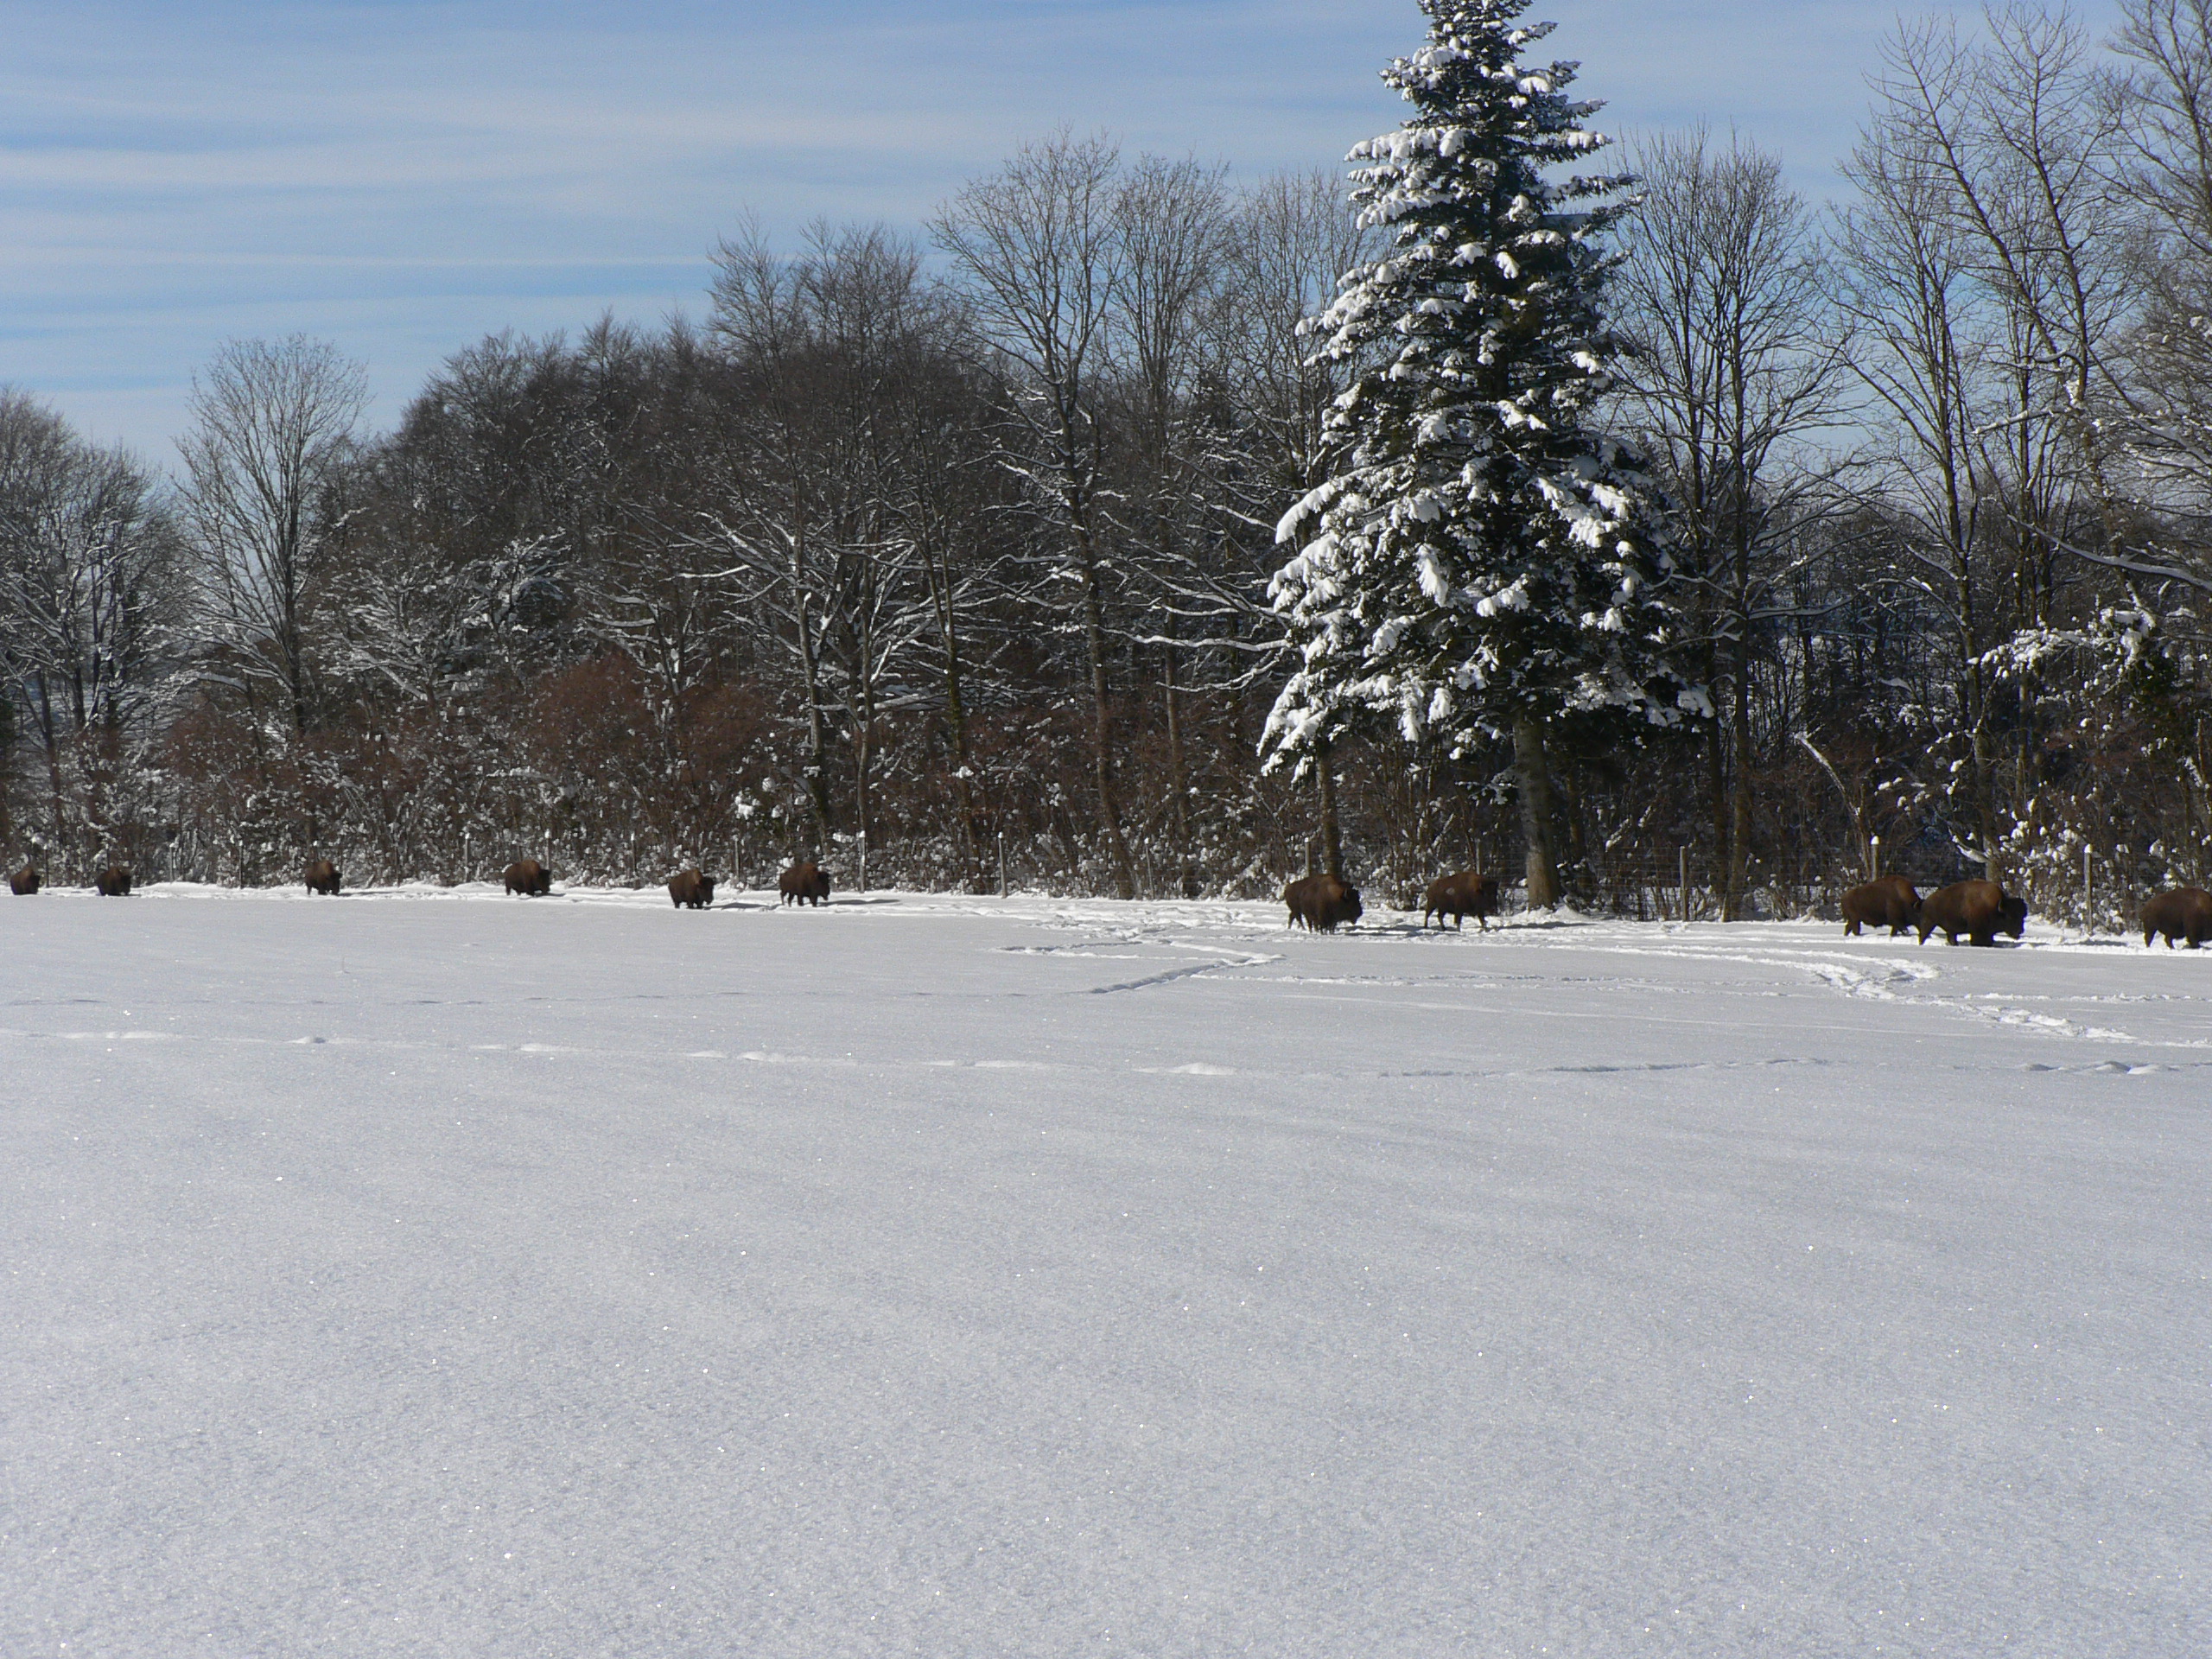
point(1322, 904)
point(1982, 910)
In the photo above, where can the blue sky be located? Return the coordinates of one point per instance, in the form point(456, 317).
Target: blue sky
point(402, 177)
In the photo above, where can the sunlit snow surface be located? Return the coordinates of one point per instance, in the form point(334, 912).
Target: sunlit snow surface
point(446, 1274)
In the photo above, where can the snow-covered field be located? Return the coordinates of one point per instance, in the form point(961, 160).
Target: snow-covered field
point(444, 1275)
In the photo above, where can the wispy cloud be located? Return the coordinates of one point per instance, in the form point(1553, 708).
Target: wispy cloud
point(403, 175)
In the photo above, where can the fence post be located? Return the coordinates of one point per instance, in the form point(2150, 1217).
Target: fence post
point(1873, 858)
point(2088, 912)
point(1682, 857)
point(1003, 890)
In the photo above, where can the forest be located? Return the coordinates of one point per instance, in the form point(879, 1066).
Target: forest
point(951, 560)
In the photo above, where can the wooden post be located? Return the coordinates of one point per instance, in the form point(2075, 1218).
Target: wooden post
point(1873, 858)
point(1683, 856)
point(2089, 915)
point(1002, 887)
point(863, 842)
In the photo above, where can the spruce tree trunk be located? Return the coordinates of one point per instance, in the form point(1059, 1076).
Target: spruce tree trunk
point(817, 739)
point(7, 818)
point(956, 711)
point(1532, 771)
point(1178, 770)
point(1102, 720)
point(53, 746)
point(1716, 768)
point(1739, 836)
point(1332, 845)
point(963, 782)
point(1984, 787)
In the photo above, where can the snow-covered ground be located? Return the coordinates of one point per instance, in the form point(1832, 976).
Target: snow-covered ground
point(440, 1274)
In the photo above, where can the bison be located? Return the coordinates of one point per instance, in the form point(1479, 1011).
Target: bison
point(1322, 903)
point(2183, 914)
point(1888, 901)
point(1468, 893)
point(23, 882)
point(113, 882)
point(322, 878)
point(693, 889)
point(1978, 909)
point(529, 878)
point(804, 884)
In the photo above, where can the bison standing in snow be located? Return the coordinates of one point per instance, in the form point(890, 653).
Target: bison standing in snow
point(2183, 914)
point(804, 884)
point(529, 878)
point(113, 882)
point(1468, 893)
point(23, 882)
point(1980, 910)
point(322, 878)
point(692, 889)
point(1322, 903)
point(1888, 901)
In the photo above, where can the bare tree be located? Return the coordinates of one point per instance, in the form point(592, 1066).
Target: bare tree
point(1737, 368)
point(1037, 250)
point(825, 346)
point(1987, 262)
point(1172, 220)
point(2162, 103)
point(1906, 279)
point(89, 586)
point(272, 420)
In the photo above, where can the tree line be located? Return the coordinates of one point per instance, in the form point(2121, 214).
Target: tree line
point(932, 557)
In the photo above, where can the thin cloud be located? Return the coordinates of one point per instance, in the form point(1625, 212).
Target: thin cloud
point(405, 176)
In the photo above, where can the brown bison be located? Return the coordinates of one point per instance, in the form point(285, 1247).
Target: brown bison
point(804, 884)
point(1468, 893)
point(1323, 903)
point(1978, 909)
point(113, 882)
point(1888, 901)
point(2183, 914)
point(23, 882)
point(322, 878)
point(529, 878)
point(693, 889)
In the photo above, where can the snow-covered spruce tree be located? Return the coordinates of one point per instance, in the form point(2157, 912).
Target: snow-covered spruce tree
point(1480, 564)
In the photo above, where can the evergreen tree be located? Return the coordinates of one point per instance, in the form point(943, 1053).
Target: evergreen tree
point(1479, 565)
